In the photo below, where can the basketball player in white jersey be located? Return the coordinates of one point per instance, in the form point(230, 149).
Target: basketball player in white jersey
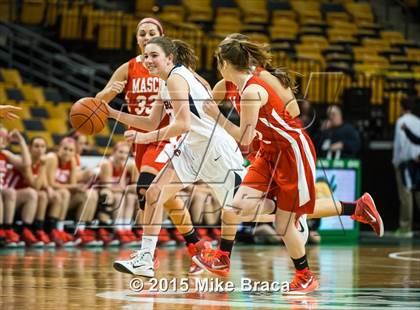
point(200, 150)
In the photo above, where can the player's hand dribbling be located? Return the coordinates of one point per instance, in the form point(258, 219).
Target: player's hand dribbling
point(211, 108)
point(118, 86)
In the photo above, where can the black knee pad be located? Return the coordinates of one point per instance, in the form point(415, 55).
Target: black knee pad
point(143, 182)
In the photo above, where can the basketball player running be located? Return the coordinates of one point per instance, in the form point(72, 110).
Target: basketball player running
point(141, 90)
point(363, 210)
point(196, 156)
point(284, 166)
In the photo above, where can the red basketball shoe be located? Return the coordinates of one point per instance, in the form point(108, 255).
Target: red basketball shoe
point(194, 249)
point(367, 213)
point(214, 261)
point(303, 283)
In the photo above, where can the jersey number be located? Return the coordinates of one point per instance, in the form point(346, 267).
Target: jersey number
point(144, 104)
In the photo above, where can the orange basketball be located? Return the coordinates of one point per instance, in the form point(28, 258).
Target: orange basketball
point(88, 115)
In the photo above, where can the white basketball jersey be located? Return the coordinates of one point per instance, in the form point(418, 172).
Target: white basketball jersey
point(203, 127)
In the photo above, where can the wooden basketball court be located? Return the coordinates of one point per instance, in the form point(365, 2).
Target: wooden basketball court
point(368, 276)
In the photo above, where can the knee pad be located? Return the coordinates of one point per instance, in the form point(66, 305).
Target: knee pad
point(143, 182)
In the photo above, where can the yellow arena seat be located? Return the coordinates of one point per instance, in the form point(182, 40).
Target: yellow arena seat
point(11, 124)
point(32, 11)
point(12, 77)
point(55, 125)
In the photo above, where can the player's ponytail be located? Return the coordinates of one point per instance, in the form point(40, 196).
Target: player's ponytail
point(184, 55)
point(258, 53)
point(284, 78)
point(243, 54)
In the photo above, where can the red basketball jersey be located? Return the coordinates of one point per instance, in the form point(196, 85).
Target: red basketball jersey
point(62, 175)
point(275, 127)
point(15, 178)
point(118, 173)
point(141, 90)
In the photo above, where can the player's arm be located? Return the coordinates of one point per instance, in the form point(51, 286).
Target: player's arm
point(148, 123)
point(115, 85)
point(285, 94)
point(178, 91)
point(252, 99)
point(40, 181)
point(219, 91)
point(52, 166)
point(22, 162)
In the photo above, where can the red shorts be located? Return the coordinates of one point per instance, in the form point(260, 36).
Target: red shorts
point(279, 174)
point(146, 155)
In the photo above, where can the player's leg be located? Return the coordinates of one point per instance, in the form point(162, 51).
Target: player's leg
point(218, 262)
point(122, 224)
point(362, 210)
point(27, 200)
point(304, 281)
point(164, 187)
point(9, 204)
point(85, 202)
point(39, 223)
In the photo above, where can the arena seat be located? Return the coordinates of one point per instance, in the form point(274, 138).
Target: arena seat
point(32, 11)
point(39, 112)
point(11, 77)
point(55, 125)
point(198, 10)
point(15, 123)
point(33, 125)
point(44, 134)
point(172, 13)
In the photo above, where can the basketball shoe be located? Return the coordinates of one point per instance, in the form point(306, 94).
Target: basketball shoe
point(214, 261)
point(29, 238)
point(106, 237)
point(303, 283)
point(43, 236)
point(140, 264)
point(367, 213)
point(193, 249)
point(13, 239)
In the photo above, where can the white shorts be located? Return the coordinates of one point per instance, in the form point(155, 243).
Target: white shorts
point(218, 163)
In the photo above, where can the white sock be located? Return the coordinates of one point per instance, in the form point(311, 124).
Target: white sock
point(119, 224)
point(81, 226)
point(60, 225)
point(127, 224)
point(148, 243)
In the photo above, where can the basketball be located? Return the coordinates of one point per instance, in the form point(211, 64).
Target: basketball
point(88, 116)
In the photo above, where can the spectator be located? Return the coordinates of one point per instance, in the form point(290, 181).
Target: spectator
point(337, 137)
point(404, 160)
